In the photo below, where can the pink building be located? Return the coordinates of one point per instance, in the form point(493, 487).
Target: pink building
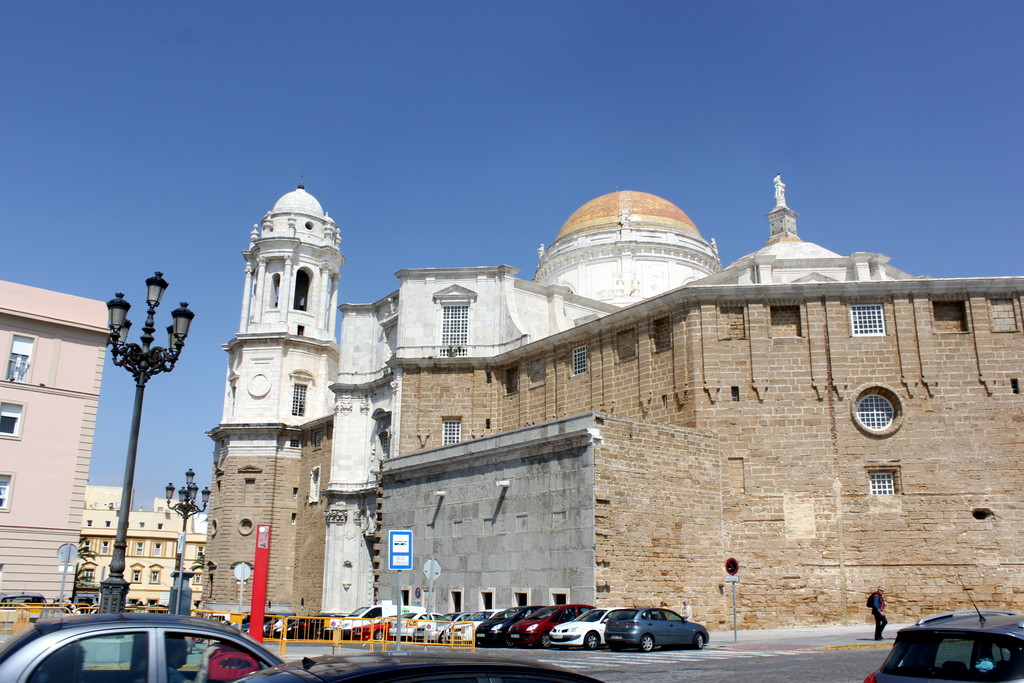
point(53, 346)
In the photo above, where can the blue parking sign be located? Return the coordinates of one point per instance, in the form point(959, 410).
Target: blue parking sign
point(400, 549)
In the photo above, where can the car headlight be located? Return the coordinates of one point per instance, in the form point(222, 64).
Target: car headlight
point(532, 627)
point(495, 629)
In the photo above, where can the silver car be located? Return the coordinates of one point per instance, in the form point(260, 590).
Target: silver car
point(974, 645)
point(649, 627)
point(154, 648)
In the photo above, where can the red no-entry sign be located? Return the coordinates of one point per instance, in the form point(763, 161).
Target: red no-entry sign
point(732, 567)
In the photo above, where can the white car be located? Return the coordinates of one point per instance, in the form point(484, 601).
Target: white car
point(465, 627)
point(586, 632)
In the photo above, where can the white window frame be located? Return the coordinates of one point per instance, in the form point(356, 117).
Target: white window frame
point(104, 547)
point(451, 431)
point(19, 361)
point(882, 483)
point(867, 320)
point(5, 491)
point(154, 576)
point(455, 325)
point(580, 361)
point(875, 412)
point(140, 548)
point(15, 412)
point(158, 549)
point(300, 392)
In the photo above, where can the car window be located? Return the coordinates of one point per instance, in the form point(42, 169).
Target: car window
point(84, 659)
point(670, 615)
point(543, 613)
point(206, 660)
point(957, 656)
point(621, 614)
point(592, 615)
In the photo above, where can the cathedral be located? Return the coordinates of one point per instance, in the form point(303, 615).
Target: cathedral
point(614, 429)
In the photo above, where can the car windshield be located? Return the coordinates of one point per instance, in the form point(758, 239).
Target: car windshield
point(621, 614)
point(592, 615)
point(508, 614)
point(956, 656)
point(478, 616)
point(358, 612)
point(543, 613)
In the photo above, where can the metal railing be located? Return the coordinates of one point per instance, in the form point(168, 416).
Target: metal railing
point(337, 631)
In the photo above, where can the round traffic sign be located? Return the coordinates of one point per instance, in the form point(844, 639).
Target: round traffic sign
point(243, 571)
point(67, 553)
point(732, 567)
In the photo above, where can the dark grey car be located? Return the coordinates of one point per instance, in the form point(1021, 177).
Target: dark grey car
point(973, 645)
point(111, 648)
point(649, 627)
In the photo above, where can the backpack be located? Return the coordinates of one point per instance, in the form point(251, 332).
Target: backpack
point(871, 601)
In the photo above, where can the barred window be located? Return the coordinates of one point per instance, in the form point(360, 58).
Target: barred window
point(867, 320)
point(318, 439)
point(455, 326)
point(882, 484)
point(299, 399)
point(579, 360)
point(451, 432)
point(21, 357)
point(875, 412)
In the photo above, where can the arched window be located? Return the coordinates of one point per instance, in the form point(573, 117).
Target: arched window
point(301, 290)
point(275, 283)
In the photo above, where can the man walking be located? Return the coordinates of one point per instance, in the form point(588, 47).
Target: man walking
point(876, 602)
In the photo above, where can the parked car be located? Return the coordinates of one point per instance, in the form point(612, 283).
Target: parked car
point(649, 627)
point(493, 630)
point(354, 625)
point(464, 629)
point(975, 645)
point(384, 627)
point(22, 598)
point(425, 627)
point(128, 646)
point(587, 631)
point(410, 667)
point(535, 629)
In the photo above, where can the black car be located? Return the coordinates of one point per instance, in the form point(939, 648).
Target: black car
point(972, 645)
point(414, 667)
point(493, 630)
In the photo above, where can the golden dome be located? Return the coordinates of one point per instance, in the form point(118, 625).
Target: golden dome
point(609, 211)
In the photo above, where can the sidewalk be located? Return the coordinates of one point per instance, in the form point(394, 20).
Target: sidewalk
point(808, 638)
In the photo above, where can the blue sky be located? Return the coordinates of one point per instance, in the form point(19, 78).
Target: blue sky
point(143, 136)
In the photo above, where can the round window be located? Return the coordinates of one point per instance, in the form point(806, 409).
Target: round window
point(245, 527)
point(877, 411)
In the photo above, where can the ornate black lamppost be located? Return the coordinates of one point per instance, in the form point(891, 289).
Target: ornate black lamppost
point(143, 362)
point(186, 507)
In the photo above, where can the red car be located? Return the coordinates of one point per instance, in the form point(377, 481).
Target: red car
point(536, 628)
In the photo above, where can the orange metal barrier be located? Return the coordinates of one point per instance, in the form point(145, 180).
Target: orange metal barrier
point(337, 631)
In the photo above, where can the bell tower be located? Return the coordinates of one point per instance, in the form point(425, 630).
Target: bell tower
point(280, 364)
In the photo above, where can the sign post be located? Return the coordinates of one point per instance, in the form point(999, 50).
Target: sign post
point(432, 570)
point(242, 573)
point(66, 554)
point(259, 582)
point(399, 558)
point(732, 568)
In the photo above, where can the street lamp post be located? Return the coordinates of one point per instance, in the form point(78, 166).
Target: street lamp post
point(186, 507)
point(142, 362)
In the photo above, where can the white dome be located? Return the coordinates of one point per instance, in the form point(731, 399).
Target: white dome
point(299, 201)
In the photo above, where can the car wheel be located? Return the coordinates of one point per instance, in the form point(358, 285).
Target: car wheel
point(698, 641)
point(591, 641)
point(646, 642)
point(545, 640)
